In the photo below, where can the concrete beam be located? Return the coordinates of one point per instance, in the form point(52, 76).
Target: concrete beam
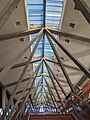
point(7, 11)
point(69, 35)
point(84, 8)
point(19, 34)
point(22, 64)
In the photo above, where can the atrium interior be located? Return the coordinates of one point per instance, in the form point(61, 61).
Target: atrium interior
point(45, 59)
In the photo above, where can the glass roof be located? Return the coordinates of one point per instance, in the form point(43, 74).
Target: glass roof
point(44, 13)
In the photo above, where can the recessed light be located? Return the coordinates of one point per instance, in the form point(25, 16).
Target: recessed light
point(72, 25)
point(58, 70)
point(61, 58)
point(17, 23)
point(56, 74)
point(66, 40)
point(26, 57)
point(21, 39)
point(29, 75)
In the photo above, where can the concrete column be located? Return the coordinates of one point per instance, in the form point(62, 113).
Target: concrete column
point(3, 97)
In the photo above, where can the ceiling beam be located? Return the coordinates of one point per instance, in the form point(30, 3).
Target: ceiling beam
point(25, 68)
point(19, 34)
point(23, 64)
point(50, 91)
point(24, 80)
point(84, 8)
point(53, 82)
point(82, 79)
point(69, 35)
point(69, 54)
point(37, 96)
point(60, 63)
point(13, 62)
point(63, 81)
point(48, 99)
point(56, 79)
point(24, 71)
point(66, 65)
point(35, 88)
point(7, 11)
point(31, 85)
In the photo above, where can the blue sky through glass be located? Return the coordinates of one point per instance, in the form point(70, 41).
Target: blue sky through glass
point(48, 13)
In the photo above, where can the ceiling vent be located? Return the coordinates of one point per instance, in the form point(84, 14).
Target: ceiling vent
point(72, 25)
point(29, 75)
point(26, 57)
point(58, 70)
point(21, 39)
point(17, 24)
point(67, 41)
point(56, 74)
point(61, 58)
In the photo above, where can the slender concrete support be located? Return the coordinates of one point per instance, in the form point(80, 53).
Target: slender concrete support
point(65, 65)
point(61, 65)
point(37, 98)
point(85, 103)
point(19, 34)
point(14, 83)
point(54, 85)
point(37, 95)
point(3, 97)
point(36, 89)
point(7, 11)
point(22, 64)
point(12, 63)
point(19, 108)
point(73, 58)
point(22, 75)
point(68, 35)
point(63, 81)
point(29, 89)
point(57, 81)
point(51, 91)
point(46, 100)
point(34, 73)
point(50, 96)
point(84, 8)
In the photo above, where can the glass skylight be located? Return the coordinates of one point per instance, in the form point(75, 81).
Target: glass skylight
point(44, 13)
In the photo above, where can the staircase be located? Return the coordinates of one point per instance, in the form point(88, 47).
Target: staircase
point(52, 117)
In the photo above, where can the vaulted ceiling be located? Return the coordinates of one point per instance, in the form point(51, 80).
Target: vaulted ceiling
point(72, 31)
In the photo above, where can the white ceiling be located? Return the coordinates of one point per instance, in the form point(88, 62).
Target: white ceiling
point(78, 48)
point(10, 48)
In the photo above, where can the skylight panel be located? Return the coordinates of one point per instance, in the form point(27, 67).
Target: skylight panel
point(43, 14)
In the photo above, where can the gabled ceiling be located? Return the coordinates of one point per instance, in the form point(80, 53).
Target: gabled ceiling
point(11, 47)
